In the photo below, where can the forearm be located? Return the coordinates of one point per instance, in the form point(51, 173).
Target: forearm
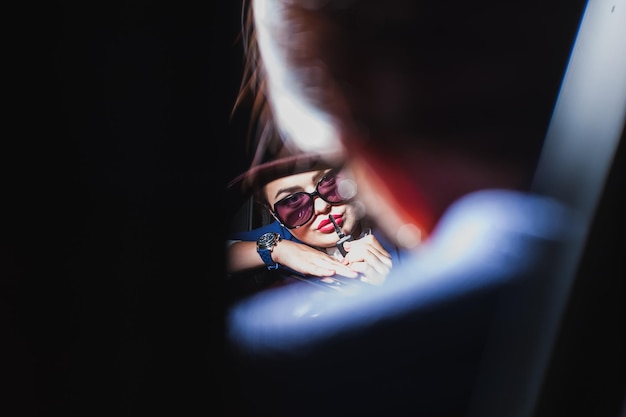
point(241, 256)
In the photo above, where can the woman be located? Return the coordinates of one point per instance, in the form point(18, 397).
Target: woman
point(319, 229)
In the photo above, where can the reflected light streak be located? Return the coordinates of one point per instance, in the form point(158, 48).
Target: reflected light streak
point(502, 232)
point(299, 121)
point(584, 132)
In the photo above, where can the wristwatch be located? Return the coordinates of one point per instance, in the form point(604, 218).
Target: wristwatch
point(265, 246)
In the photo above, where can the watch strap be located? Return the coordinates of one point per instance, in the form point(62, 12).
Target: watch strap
point(266, 255)
point(265, 245)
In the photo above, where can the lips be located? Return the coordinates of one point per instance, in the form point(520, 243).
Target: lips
point(326, 225)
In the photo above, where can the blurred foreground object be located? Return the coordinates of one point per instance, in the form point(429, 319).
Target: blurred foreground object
point(468, 326)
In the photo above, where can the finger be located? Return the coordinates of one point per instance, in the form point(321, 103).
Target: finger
point(320, 266)
point(336, 267)
point(380, 257)
point(359, 267)
point(379, 249)
point(364, 245)
point(369, 274)
point(320, 271)
point(346, 272)
point(369, 255)
point(381, 265)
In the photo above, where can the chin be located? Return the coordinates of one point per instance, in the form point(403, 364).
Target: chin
point(327, 241)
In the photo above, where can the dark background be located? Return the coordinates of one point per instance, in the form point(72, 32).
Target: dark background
point(118, 146)
point(119, 151)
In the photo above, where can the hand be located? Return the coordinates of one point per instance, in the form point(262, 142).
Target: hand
point(368, 257)
point(309, 261)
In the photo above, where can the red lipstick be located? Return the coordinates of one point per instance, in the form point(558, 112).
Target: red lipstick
point(342, 237)
point(337, 218)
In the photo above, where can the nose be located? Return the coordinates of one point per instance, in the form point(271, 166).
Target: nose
point(320, 206)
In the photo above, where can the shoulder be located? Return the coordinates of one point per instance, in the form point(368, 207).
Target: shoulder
point(254, 234)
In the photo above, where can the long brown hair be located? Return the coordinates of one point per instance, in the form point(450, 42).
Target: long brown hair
point(271, 157)
point(262, 136)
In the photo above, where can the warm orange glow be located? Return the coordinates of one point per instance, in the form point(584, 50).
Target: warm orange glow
point(397, 200)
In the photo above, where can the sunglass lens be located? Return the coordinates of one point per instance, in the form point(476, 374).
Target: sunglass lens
point(295, 210)
point(328, 189)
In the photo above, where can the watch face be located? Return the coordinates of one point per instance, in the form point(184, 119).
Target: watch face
point(264, 246)
point(266, 240)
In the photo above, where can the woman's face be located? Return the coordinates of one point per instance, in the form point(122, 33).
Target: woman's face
point(318, 230)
